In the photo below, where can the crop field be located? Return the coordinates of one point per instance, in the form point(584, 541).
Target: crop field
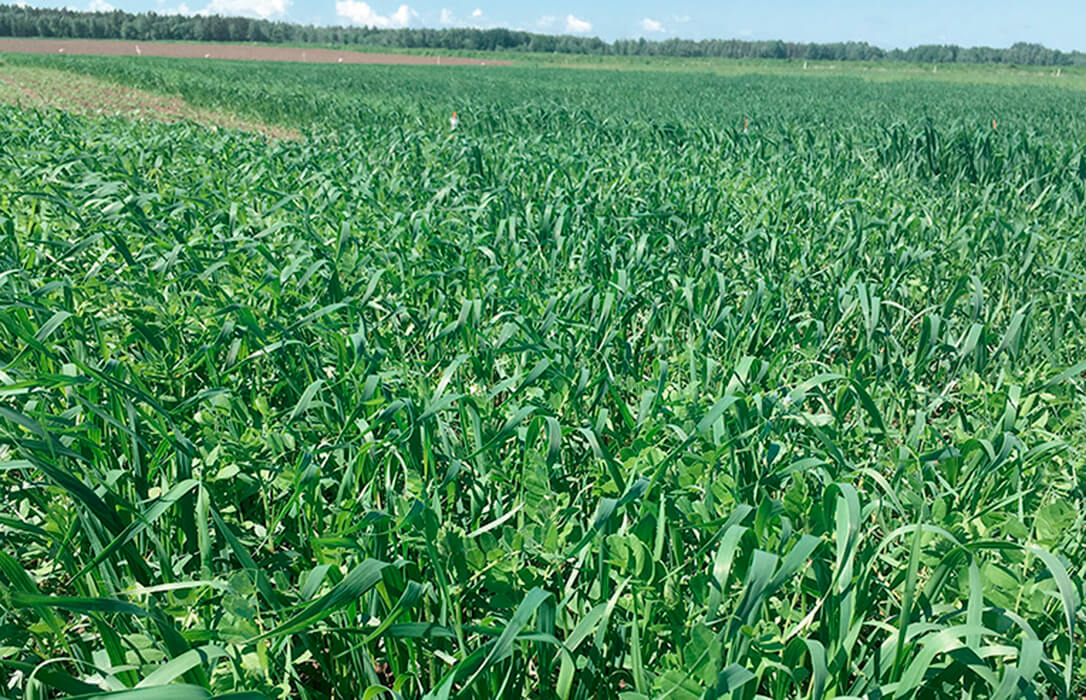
point(235, 52)
point(602, 395)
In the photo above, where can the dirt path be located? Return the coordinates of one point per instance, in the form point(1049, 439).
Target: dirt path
point(46, 88)
point(236, 52)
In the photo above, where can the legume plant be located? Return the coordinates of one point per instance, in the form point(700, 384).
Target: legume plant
point(599, 397)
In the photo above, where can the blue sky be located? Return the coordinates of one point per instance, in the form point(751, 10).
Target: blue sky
point(887, 23)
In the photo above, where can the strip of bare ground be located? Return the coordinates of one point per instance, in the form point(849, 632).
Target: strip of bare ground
point(33, 87)
point(235, 52)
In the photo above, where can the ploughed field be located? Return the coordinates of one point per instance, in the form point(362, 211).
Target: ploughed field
point(598, 397)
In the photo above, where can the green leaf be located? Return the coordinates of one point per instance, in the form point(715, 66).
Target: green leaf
point(51, 325)
point(141, 523)
point(521, 617)
point(178, 666)
point(305, 401)
point(77, 604)
point(1054, 521)
point(359, 581)
point(170, 692)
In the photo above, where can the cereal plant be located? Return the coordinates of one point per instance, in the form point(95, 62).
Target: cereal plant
point(600, 397)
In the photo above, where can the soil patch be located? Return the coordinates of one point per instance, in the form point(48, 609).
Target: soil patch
point(47, 88)
point(235, 52)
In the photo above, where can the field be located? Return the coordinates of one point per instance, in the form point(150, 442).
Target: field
point(235, 52)
point(641, 384)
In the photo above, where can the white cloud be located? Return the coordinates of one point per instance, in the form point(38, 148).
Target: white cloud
point(258, 8)
point(575, 25)
point(546, 21)
point(681, 19)
point(449, 19)
point(181, 9)
point(651, 25)
point(361, 13)
point(100, 6)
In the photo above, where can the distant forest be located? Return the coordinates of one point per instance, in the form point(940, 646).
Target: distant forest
point(16, 21)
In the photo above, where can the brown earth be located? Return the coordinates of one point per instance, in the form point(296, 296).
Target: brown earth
point(39, 88)
point(235, 52)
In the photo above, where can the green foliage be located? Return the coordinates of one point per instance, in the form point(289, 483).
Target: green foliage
point(599, 398)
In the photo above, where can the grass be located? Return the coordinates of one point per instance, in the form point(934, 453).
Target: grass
point(599, 398)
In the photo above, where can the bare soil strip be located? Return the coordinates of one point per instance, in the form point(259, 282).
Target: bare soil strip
point(234, 52)
point(46, 88)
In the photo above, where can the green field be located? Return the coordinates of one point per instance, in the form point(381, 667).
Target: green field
point(600, 397)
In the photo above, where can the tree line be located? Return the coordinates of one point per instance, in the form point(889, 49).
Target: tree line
point(25, 21)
